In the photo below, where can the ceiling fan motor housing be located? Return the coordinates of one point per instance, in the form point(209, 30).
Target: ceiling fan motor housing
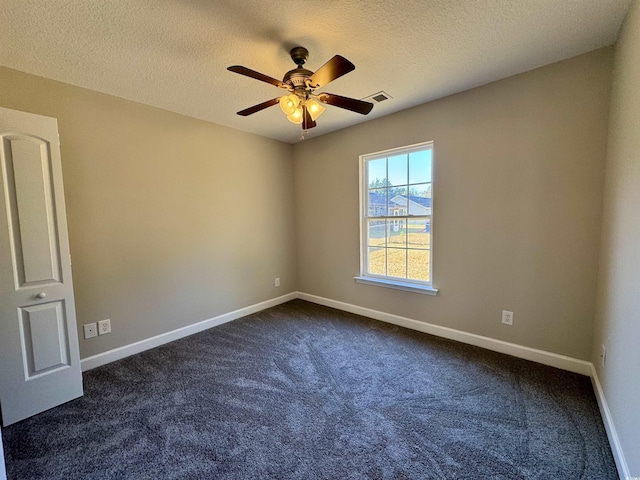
point(297, 77)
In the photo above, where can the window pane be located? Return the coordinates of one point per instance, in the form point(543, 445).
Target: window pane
point(377, 260)
point(376, 233)
point(377, 173)
point(418, 265)
point(397, 262)
point(420, 166)
point(420, 199)
point(396, 234)
point(419, 233)
point(398, 202)
point(377, 202)
point(398, 170)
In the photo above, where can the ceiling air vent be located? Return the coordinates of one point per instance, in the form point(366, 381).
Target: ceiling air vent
point(378, 97)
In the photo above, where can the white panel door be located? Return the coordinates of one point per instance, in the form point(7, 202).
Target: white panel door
point(39, 356)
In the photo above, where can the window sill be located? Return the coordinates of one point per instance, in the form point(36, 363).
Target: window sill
point(407, 287)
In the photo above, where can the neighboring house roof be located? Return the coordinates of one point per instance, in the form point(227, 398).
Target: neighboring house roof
point(422, 201)
point(376, 198)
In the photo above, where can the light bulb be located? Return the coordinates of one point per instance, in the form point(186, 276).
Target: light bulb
point(289, 103)
point(314, 108)
point(296, 116)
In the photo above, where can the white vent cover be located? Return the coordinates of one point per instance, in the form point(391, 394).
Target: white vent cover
point(377, 97)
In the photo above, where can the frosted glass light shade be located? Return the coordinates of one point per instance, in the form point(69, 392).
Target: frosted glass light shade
point(296, 116)
point(289, 103)
point(314, 108)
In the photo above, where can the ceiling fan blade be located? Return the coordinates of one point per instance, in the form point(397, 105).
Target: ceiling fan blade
point(260, 106)
point(347, 103)
point(247, 72)
point(307, 121)
point(334, 68)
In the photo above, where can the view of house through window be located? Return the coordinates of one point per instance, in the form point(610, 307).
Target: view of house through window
point(396, 217)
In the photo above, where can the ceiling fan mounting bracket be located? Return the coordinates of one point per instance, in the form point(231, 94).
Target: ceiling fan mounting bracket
point(299, 55)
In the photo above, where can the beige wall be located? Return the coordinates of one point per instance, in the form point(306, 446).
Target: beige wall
point(618, 307)
point(518, 172)
point(172, 220)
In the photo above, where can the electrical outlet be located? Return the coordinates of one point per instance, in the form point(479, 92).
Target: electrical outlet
point(278, 282)
point(90, 330)
point(507, 317)
point(104, 327)
point(603, 354)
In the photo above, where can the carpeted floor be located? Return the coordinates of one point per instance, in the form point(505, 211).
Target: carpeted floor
point(301, 391)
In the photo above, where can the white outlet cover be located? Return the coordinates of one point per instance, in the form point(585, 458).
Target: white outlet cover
point(507, 317)
point(104, 327)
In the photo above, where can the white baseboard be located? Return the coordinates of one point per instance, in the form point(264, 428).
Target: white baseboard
point(527, 353)
point(149, 343)
point(540, 356)
point(614, 441)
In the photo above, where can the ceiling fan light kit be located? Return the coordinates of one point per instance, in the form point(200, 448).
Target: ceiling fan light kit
point(292, 105)
point(301, 105)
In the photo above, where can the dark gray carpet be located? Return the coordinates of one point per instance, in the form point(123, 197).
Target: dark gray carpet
point(307, 392)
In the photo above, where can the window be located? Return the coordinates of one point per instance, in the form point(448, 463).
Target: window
point(396, 218)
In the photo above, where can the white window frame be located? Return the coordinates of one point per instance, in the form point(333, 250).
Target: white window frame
point(411, 285)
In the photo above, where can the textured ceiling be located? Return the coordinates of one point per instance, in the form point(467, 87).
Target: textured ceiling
point(173, 54)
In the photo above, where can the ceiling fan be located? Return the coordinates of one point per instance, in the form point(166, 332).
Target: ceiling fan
point(301, 104)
